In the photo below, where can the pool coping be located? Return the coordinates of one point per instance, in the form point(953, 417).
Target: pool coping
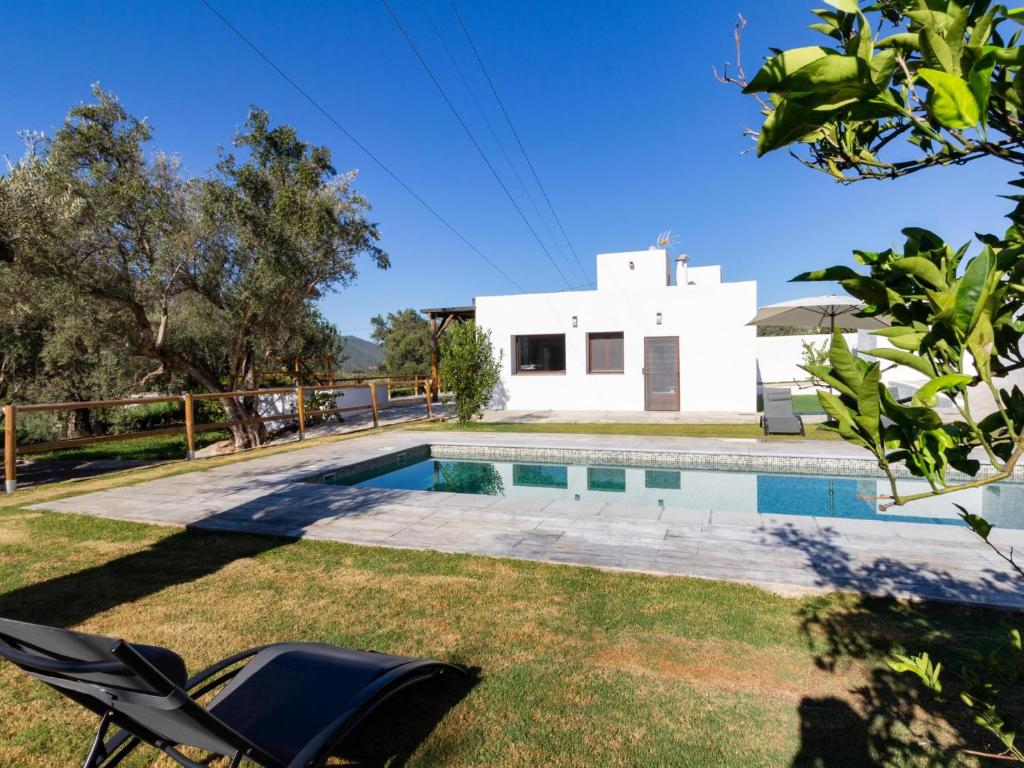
point(711, 460)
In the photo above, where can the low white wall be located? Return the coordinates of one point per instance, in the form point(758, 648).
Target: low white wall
point(284, 404)
point(779, 357)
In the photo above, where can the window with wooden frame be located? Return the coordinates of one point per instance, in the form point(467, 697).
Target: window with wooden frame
point(605, 352)
point(540, 353)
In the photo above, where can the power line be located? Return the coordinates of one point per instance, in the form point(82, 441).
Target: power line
point(380, 163)
point(472, 138)
point(494, 133)
point(508, 119)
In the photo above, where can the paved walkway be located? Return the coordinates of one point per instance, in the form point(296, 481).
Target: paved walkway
point(788, 554)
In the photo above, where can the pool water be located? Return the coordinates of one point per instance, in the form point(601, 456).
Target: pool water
point(774, 494)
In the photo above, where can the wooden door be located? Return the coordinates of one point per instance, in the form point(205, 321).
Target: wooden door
point(661, 373)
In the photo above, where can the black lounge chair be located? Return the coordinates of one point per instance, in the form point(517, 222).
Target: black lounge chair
point(279, 706)
point(777, 417)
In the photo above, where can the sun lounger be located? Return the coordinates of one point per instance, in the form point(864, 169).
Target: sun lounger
point(777, 417)
point(279, 706)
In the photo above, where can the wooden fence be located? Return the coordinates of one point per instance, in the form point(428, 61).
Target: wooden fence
point(189, 427)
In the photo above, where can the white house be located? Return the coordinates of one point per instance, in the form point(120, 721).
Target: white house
point(649, 337)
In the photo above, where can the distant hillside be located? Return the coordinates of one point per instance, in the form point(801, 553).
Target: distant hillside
point(362, 354)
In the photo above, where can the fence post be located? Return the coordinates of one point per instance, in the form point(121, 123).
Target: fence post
point(190, 427)
point(373, 404)
point(10, 450)
point(426, 386)
point(301, 406)
point(416, 385)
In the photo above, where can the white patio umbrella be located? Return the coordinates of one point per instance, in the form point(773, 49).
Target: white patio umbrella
point(818, 312)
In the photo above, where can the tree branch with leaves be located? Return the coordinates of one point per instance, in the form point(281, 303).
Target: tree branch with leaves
point(901, 86)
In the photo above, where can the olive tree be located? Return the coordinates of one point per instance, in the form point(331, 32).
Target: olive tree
point(469, 368)
point(405, 336)
point(207, 278)
point(898, 87)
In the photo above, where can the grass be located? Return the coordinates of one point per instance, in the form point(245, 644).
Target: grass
point(157, 448)
point(814, 431)
point(576, 667)
point(171, 447)
point(806, 404)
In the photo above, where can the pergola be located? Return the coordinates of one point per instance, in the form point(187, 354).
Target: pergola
point(441, 318)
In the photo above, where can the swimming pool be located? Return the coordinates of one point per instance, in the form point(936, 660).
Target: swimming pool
point(737, 491)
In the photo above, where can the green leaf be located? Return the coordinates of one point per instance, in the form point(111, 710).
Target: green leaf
point(971, 290)
point(868, 401)
point(901, 357)
point(869, 290)
point(981, 344)
point(843, 417)
point(779, 67)
point(833, 78)
point(846, 366)
point(923, 269)
point(982, 29)
point(951, 100)
point(846, 6)
point(920, 239)
point(980, 82)
point(882, 67)
point(921, 666)
point(936, 49)
point(916, 416)
point(902, 337)
point(830, 273)
point(788, 122)
point(954, 36)
point(976, 523)
point(824, 373)
point(928, 395)
point(904, 40)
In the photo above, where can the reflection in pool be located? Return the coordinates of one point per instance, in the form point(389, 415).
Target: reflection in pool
point(775, 494)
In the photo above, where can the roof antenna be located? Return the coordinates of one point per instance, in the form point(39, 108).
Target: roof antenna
point(665, 240)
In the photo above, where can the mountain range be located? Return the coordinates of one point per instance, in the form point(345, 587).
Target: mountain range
point(361, 355)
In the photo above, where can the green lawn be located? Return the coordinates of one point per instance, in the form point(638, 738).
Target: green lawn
point(807, 404)
point(574, 666)
point(814, 431)
point(158, 448)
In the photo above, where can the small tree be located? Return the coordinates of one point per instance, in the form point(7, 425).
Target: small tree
point(469, 368)
point(812, 355)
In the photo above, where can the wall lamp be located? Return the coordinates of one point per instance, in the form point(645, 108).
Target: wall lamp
point(658, 318)
point(575, 321)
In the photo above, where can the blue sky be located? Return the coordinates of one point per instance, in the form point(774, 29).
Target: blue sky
point(614, 101)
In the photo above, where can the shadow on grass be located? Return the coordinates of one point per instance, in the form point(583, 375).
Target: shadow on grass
point(69, 600)
point(391, 734)
point(891, 719)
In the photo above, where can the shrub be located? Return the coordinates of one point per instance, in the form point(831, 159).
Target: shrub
point(469, 369)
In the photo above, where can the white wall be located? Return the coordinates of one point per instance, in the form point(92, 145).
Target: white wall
point(284, 403)
point(716, 348)
point(779, 357)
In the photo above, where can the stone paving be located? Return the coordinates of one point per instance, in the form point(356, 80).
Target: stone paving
point(787, 554)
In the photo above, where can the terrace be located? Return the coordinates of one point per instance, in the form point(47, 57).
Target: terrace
point(796, 517)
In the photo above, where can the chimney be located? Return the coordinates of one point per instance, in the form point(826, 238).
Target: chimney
point(682, 277)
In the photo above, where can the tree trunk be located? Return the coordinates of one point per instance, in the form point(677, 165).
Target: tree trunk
point(79, 423)
point(247, 435)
